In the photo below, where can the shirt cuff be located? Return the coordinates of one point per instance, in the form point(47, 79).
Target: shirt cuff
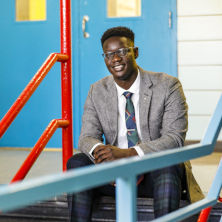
point(93, 148)
point(139, 151)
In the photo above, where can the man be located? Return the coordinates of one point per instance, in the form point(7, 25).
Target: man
point(138, 112)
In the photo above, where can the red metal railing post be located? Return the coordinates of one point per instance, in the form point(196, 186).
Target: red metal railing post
point(67, 133)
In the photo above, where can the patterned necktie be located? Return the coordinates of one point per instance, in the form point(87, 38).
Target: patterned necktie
point(132, 134)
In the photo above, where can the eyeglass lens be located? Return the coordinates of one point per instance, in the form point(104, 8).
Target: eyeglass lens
point(120, 52)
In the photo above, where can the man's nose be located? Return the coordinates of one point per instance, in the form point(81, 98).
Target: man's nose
point(116, 57)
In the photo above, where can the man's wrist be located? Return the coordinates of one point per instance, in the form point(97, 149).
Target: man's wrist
point(132, 152)
point(91, 152)
point(139, 151)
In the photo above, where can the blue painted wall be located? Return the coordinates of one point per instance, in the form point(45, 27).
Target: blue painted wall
point(24, 47)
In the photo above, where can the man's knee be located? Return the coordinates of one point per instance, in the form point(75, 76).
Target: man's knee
point(78, 160)
point(171, 171)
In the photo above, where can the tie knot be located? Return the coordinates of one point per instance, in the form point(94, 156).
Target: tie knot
point(128, 95)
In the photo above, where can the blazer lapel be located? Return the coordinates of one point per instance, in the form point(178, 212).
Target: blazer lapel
point(144, 103)
point(112, 109)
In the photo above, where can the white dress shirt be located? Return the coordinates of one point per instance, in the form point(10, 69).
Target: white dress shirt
point(122, 141)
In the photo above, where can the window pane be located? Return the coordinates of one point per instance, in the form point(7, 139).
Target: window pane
point(30, 10)
point(123, 8)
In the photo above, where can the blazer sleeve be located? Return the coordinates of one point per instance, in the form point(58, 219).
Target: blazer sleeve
point(91, 131)
point(174, 120)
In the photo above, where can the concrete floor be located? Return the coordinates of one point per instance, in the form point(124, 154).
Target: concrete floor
point(50, 162)
point(204, 170)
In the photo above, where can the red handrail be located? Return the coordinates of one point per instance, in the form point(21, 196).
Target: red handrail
point(29, 90)
point(38, 148)
point(66, 74)
point(204, 214)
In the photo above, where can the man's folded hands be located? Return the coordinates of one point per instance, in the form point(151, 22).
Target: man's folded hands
point(105, 153)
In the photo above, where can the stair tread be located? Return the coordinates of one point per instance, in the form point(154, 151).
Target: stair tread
point(56, 209)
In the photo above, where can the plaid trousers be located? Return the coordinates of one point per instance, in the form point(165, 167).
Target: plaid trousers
point(163, 185)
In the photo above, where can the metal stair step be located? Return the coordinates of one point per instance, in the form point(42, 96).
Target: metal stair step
point(56, 210)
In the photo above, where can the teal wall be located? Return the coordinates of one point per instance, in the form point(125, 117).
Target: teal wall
point(24, 47)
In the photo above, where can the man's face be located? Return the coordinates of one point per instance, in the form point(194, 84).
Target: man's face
point(121, 67)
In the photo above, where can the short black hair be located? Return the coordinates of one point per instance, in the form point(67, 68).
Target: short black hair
point(118, 31)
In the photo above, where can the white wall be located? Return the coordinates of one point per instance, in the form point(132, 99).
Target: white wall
point(200, 60)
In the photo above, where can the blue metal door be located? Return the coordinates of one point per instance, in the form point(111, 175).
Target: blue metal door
point(155, 35)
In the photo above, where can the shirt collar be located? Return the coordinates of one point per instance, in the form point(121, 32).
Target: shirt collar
point(133, 89)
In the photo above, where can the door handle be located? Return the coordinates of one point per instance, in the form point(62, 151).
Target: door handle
point(170, 20)
point(84, 20)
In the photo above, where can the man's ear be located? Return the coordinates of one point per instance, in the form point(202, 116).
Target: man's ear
point(136, 52)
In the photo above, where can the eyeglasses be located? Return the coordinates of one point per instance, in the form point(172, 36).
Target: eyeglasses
point(120, 52)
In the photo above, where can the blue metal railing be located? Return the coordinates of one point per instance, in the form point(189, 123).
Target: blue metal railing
point(26, 192)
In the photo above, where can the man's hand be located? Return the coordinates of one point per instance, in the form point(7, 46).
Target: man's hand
point(104, 153)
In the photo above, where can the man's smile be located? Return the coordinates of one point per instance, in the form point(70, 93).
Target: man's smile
point(118, 67)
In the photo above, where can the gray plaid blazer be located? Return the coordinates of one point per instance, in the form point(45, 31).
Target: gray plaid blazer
point(163, 117)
